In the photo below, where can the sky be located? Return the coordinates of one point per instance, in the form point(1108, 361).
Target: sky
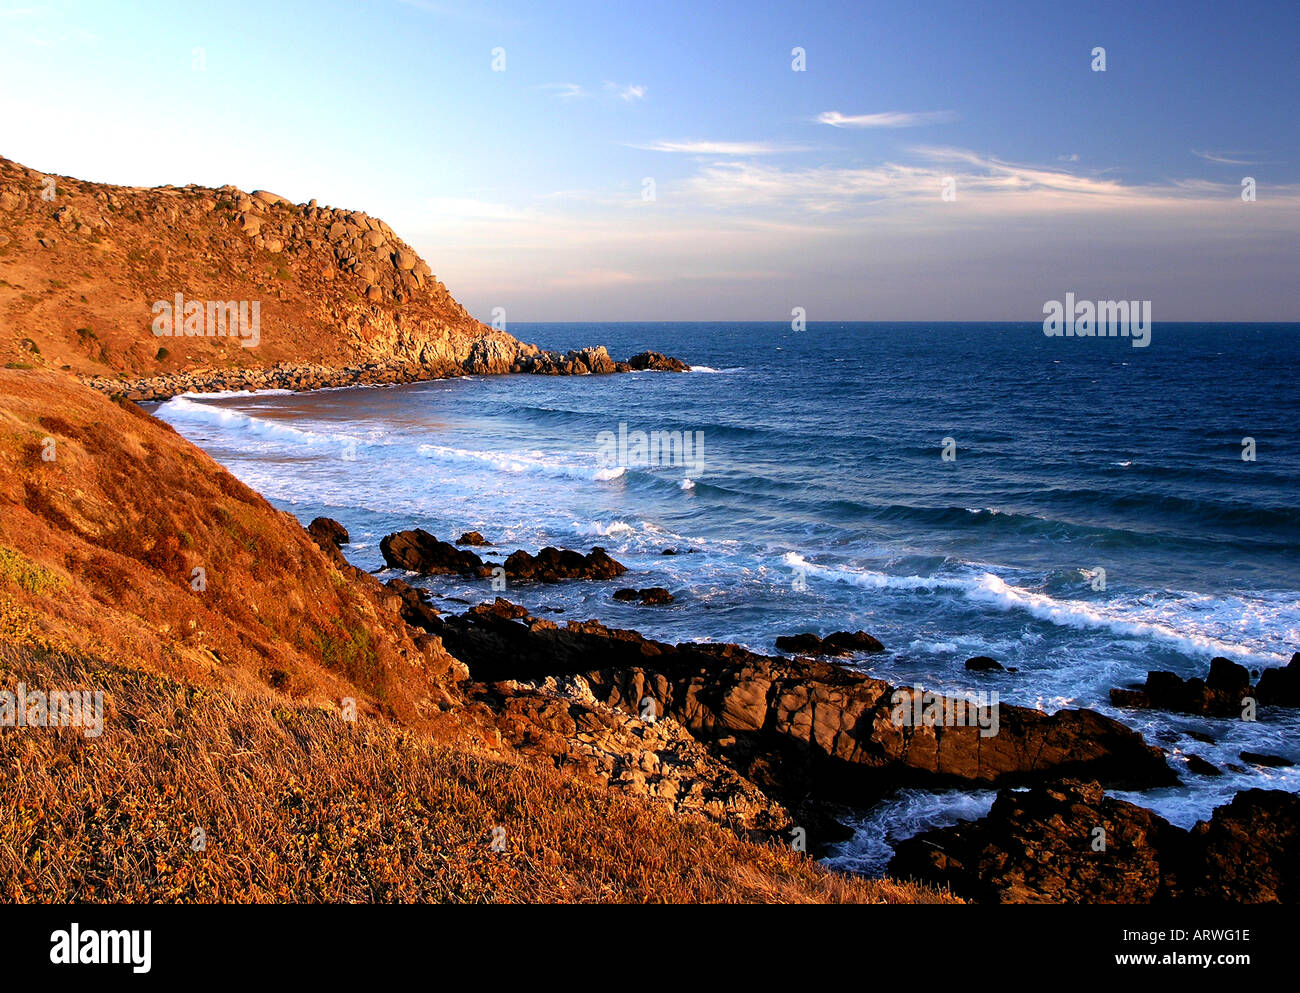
point(598, 161)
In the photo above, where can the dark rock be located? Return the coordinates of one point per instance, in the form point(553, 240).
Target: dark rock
point(802, 644)
point(1229, 677)
point(802, 730)
point(1040, 846)
point(329, 535)
point(1169, 691)
point(1280, 687)
point(839, 643)
point(1249, 850)
point(552, 565)
point(983, 663)
point(1199, 766)
point(472, 538)
point(669, 551)
point(651, 595)
point(419, 551)
point(1272, 761)
point(416, 609)
point(656, 360)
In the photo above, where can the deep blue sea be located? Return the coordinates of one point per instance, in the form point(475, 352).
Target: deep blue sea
point(819, 499)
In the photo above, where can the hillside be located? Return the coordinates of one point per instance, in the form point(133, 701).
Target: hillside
point(91, 272)
point(224, 711)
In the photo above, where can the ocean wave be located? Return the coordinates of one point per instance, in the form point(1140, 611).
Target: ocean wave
point(519, 463)
point(1194, 624)
point(184, 410)
point(594, 529)
point(232, 394)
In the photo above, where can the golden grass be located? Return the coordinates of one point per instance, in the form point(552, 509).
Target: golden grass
point(296, 804)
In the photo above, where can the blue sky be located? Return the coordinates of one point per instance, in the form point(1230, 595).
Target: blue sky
point(772, 188)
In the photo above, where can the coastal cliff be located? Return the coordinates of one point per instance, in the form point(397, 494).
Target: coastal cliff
point(151, 292)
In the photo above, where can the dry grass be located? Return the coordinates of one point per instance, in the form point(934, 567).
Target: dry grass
point(99, 547)
point(297, 804)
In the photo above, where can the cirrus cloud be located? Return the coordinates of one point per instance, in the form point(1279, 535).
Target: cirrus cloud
point(886, 119)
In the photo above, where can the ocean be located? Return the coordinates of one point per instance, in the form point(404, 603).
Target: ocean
point(951, 488)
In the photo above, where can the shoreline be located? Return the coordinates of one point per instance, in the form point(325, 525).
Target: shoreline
point(310, 377)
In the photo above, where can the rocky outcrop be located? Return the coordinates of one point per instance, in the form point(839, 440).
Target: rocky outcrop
point(650, 596)
point(800, 728)
point(658, 362)
point(637, 752)
point(472, 538)
point(1223, 693)
point(1069, 843)
point(554, 565)
point(840, 643)
point(1280, 687)
point(329, 536)
point(419, 551)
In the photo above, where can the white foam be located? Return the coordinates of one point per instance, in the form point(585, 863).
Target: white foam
point(1193, 623)
point(516, 463)
point(183, 409)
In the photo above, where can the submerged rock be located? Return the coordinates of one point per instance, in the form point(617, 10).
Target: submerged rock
point(839, 643)
point(652, 595)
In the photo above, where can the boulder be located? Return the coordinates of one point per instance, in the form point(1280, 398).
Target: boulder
point(1280, 687)
point(552, 565)
point(839, 643)
point(419, 551)
point(472, 538)
point(1068, 842)
point(983, 663)
point(657, 361)
point(653, 595)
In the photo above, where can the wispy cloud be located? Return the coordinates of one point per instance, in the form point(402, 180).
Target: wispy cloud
point(983, 183)
point(629, 92)
point(1222, 158)
point(887, 119)
point(719, 147)
point(564, 91)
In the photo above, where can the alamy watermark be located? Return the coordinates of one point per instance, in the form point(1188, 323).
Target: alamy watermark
point(1103, 319)
point(57, 708)
point(240, 319)
point(642, 449)
point(915, 707)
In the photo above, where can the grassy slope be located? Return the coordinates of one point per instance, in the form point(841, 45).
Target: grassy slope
point(223, 711)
